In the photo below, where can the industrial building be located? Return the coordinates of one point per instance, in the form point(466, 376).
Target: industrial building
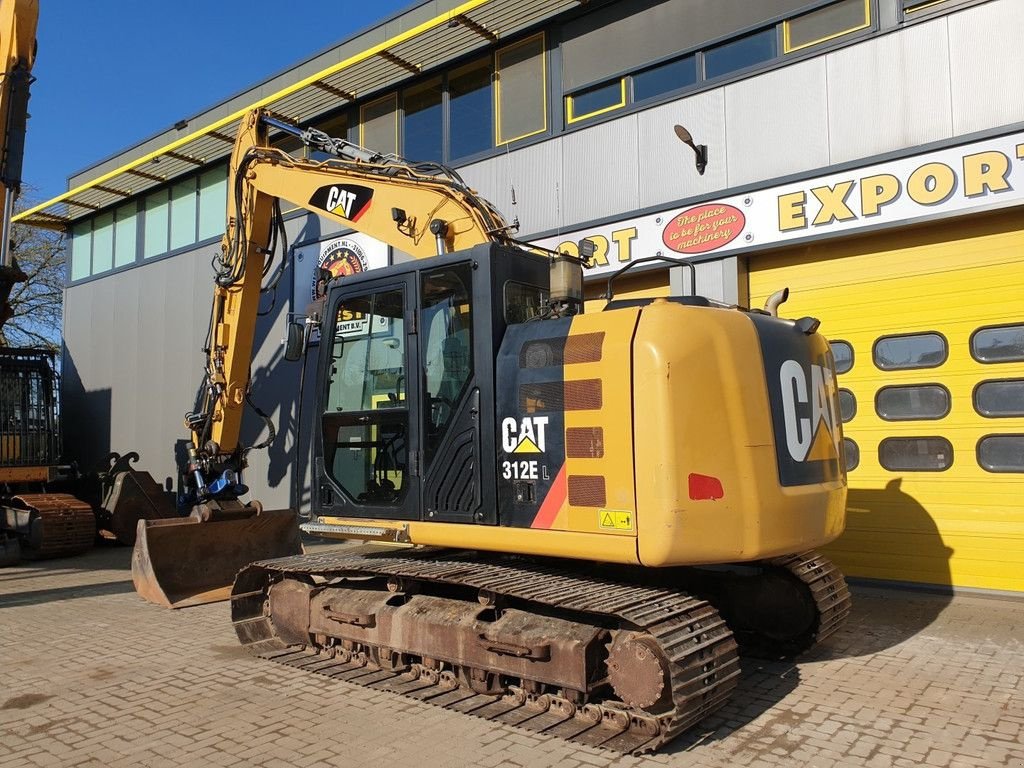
point(868, 154)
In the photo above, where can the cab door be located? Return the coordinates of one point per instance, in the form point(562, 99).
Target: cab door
point(368, 455)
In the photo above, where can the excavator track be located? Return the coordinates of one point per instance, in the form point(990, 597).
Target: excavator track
point(657, 660)
point(58, 524)
point(828, 590)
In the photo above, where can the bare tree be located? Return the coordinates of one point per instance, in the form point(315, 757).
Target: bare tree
point(36, 303)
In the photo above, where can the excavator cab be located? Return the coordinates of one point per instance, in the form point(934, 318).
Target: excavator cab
point(406, 383)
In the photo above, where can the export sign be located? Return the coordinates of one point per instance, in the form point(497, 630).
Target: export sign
point(984, 174)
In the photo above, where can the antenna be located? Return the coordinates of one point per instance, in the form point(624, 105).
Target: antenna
point(512, 188)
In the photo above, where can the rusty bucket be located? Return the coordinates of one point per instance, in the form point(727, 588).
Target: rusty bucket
point(190, 561)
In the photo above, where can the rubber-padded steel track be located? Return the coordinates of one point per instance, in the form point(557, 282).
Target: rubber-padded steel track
point(703, 663)
point(828, 589)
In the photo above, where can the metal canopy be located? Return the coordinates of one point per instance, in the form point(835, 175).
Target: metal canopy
point(470, 25)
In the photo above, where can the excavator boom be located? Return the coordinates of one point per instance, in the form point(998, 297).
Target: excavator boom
point(420, 209)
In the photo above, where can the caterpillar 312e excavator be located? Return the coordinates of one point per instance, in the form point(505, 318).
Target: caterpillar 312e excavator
point(606, 504)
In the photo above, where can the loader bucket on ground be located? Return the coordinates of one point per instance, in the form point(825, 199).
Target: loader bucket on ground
point(183, 562)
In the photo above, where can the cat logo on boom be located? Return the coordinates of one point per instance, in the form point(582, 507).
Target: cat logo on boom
point(349, 201)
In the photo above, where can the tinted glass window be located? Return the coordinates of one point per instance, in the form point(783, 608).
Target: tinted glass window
point(740, 54)
point(915, 454)
point(125, 228)
point(521, 98)
point(183, 214)
point(524, 302)
point(852, 451)
point(1000, 398)
point(847, 405)
point(1001, 344)
point(471, 120)
point(102, 242)
point(365, 421)
point(447, 347)
point(336, 127)
point(81, 247)
point(1001, 453)
point(916, 350)
point(155, 224)
point(825, 24)
point(665, 78)
point(843, 354)
point(378, 128)
point(422, 134)
point(598, 99)
point(927, 401)
point(213, 200)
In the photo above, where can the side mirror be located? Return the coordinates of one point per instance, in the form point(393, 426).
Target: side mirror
point(295, 343)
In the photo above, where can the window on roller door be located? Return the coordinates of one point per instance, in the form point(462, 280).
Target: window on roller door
point(998, 396)
point(913, 401)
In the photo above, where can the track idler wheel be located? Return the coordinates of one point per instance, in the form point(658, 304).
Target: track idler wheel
point(638, 671)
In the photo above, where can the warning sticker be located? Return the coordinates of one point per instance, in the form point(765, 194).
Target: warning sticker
point(616, 519)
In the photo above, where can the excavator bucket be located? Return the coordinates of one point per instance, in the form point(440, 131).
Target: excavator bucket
point(189, 561)
point(129, 495)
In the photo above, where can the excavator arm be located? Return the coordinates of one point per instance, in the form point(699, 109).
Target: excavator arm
point(421, 209)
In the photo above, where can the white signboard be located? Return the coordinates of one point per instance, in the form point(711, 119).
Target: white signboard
point(345, 255)
point(980, 175)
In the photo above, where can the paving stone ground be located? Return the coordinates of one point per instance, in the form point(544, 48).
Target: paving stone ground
point(90, 675)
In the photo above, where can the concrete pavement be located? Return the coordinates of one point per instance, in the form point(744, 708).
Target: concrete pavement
point(90, 675)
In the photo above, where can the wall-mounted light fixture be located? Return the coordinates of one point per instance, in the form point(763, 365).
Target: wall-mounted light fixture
point(699, 150)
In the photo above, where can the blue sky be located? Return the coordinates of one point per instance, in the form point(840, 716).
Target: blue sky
point(110, 73)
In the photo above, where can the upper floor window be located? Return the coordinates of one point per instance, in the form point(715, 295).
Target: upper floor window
point(422, 128)
point(521, 73)
point(470, 110)
point(740, 53)
point(187, 212)
point(378, 125)
point(824, 24)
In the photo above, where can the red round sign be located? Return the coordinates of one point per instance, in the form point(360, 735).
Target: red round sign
point(703, 228)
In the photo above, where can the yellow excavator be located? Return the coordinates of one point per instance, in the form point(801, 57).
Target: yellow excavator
point(588, 514)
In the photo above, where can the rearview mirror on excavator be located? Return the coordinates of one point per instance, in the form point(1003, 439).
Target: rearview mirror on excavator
point(295, 342)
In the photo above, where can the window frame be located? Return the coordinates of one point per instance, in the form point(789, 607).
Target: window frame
point(847, 390)
point(983, 382)
point(977, 453)
point(570, 115)
point(976, 331)
point(880, 339)
point(846, 463)
point(785, 24)
point(853, 355)
point(906, 438)
point(496, 80)
point(943, 387)
point(393, 96)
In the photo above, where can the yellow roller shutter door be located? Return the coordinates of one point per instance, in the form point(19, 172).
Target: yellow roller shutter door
point(908, 303)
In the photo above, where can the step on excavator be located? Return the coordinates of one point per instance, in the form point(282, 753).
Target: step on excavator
point(585, 517)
